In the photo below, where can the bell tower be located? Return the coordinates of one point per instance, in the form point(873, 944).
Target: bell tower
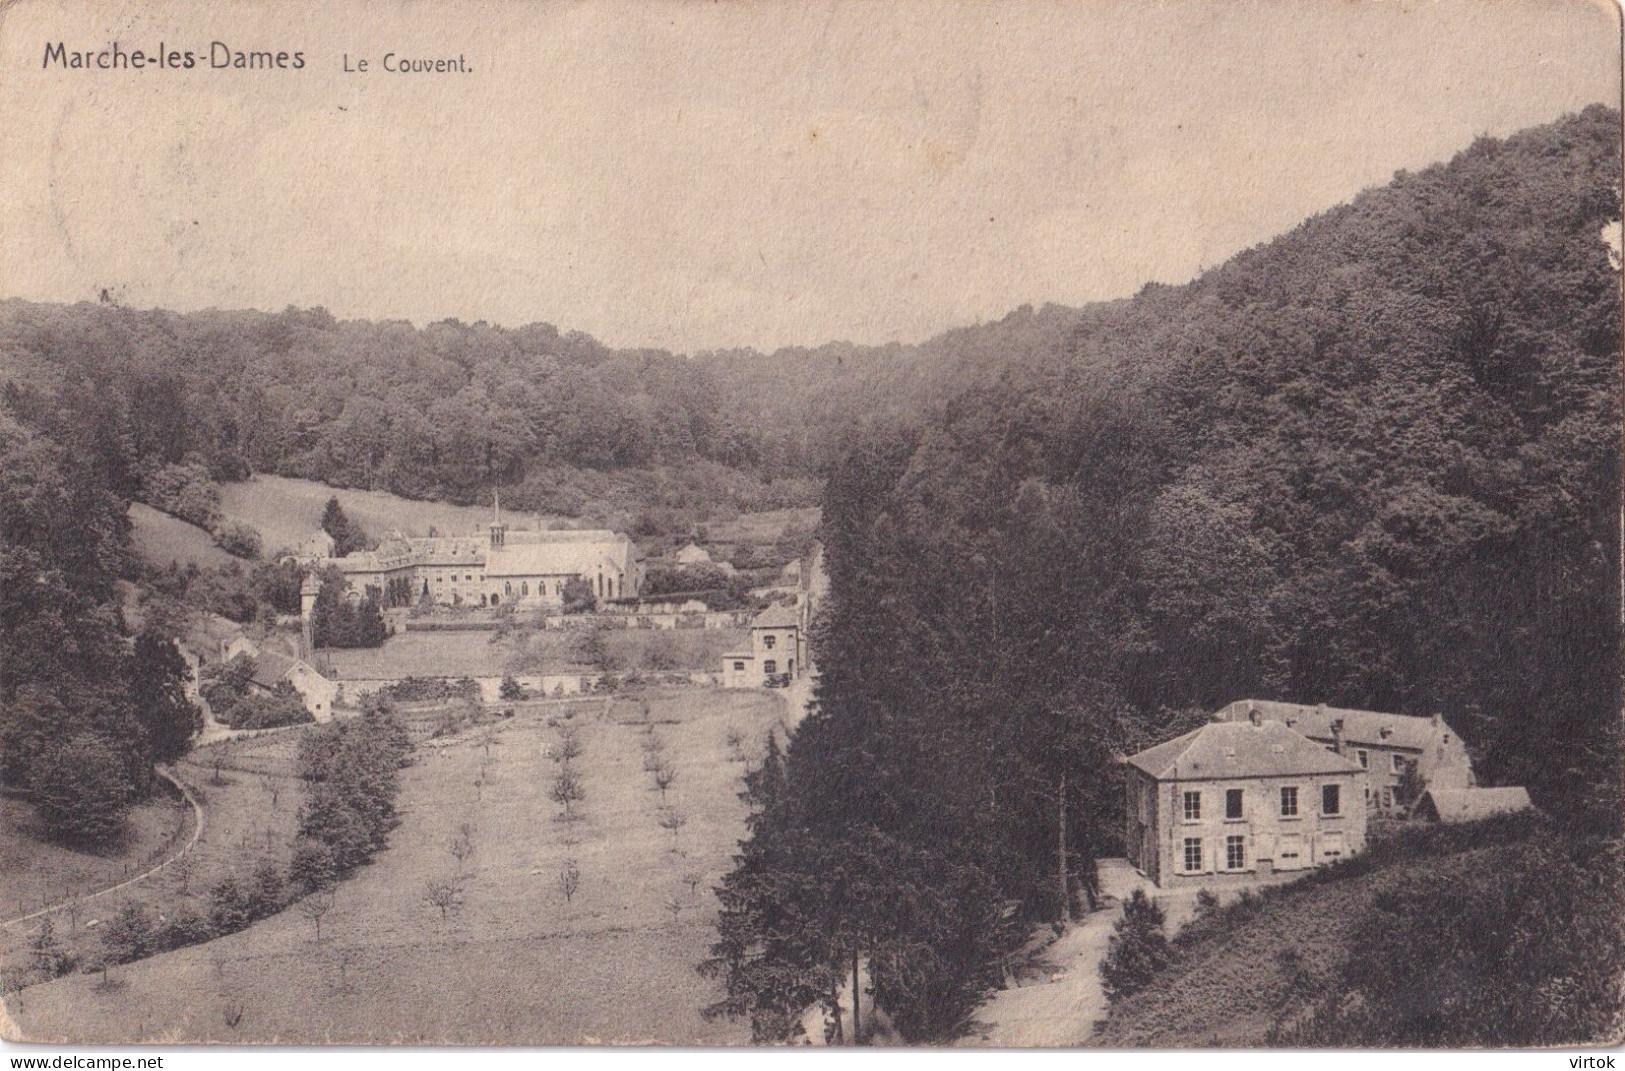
point(499, 531)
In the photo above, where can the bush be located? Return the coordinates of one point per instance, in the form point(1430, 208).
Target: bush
point(184, 490)
point(1137, 950)
point(312, 866)
point(284, 707)
point(185, 927)
point(265, 891)
point(129, 934)
point(238, 539)
point(511, 689)
point(230, 907)
point(429, 689)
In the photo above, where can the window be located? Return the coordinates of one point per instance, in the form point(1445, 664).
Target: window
point(770, 666)
point(1235, 853)
point(1387, 798)
point(524, 587)
point(768, 640)
point(1331, 799)
point(1232, 803)
point(1193, 854)
point(1399, 764)
point(739, 667)
point(454, 578)
point(1193, 806)
point(1289, 803)
point(1365, 758)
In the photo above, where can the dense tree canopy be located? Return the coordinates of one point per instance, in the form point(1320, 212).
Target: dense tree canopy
point(1373, 463)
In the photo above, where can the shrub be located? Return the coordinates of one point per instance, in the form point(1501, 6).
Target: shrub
point(312, 866)
point(265, 891)
point(1137, 950)
point(230, 906)
point(185, 927)
point(285, 707)
point(129, 934)
point(238, 539)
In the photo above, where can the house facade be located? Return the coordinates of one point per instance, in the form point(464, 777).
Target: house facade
point(316, 692)
point(775, 656)
point(1235, 801)
point(1383, 744)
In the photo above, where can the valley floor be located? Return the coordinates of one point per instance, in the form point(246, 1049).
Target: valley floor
point(514, 963)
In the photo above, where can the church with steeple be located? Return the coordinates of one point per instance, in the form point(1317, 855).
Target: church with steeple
point(504, 566)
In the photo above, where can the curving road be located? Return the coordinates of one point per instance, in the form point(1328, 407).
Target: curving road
point(197, 833)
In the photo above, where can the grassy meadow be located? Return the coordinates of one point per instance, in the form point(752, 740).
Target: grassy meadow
point(36, 871)
point(160, 539)
point(286, 511)
point(512, 960)
point(250, 804)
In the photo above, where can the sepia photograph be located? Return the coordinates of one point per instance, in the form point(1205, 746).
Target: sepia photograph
point(1024, 524)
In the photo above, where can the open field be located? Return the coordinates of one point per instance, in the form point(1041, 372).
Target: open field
point(35, 871)
point(287, 511)
point(161, 539)
point(514, 963)
point(422, 654)
point(693, 648)
point(477, 654)
point(765, 527)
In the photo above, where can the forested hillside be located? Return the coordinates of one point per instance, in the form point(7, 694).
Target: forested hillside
point(169, 403)
point(1373, 463)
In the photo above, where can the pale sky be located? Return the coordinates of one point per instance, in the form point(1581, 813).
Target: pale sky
point(695, 175)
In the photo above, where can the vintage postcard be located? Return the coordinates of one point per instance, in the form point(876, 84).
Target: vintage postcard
point(1025, 524)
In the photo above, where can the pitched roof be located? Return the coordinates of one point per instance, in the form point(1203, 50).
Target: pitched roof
point(270, 668)
point(1466, 804)
point(557, 558)
point(1359, 726)
point(777, 616)
point(1222, 749)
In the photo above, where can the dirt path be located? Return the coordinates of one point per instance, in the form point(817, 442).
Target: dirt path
point(197, 832)
point(1060, 1010)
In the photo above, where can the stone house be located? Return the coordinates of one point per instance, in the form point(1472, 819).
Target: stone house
point(1237, 800)
point(1383, 744)
point(315, 691)
point(508, 567)
point(775, 654)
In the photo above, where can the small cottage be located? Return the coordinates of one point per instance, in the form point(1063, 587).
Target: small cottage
point(775, 655)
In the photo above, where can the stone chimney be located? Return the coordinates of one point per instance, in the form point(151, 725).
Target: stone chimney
point(1337, 736)
point(1253, 715)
